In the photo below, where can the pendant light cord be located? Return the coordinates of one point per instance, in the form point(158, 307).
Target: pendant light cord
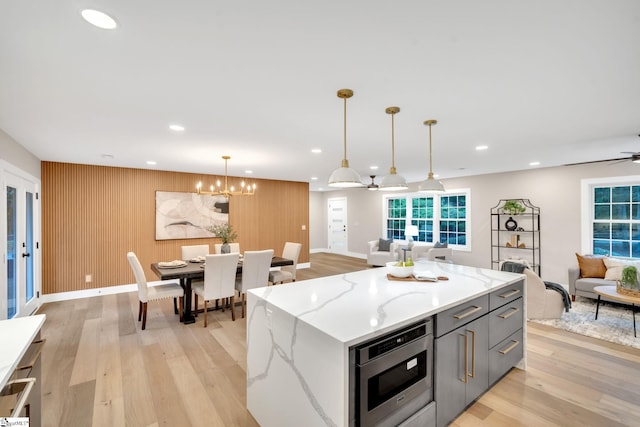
point(393, 146)
point(345, 129)
point(430, 153)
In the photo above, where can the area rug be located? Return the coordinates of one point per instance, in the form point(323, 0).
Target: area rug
point(614, 324)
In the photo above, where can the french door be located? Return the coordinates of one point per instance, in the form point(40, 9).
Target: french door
point(20, 284)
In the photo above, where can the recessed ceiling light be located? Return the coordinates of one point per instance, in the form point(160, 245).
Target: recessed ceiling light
point(373, 168)
point(482, 147)
point(314, 178)
point(107, 156)
point(99, 19)
point(151, 162)
point(316, 151)
point(248, 171)
point(534, 164)
point(176, 128)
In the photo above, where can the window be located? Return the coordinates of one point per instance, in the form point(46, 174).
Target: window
point(439, 218)
point(610, 210)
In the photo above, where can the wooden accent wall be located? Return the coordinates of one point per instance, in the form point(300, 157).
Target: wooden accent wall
point(93, 215)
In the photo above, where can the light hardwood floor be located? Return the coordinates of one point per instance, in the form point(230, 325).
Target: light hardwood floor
point(100, 369)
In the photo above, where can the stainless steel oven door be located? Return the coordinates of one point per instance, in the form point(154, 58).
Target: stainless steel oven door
point(397, 384)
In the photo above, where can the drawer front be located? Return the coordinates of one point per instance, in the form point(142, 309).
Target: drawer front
point(505, 295)
point(505, 356)
point(461, 314)
point(504, 321)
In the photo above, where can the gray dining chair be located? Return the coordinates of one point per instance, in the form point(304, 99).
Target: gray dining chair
point(166, 289)
point(219, 281)
point(288, 272)
point(255, 273)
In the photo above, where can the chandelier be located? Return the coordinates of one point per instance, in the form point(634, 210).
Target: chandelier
point(219, 190)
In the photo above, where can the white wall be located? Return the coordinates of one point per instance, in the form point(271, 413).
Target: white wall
point(18, 156)
point(555, 190)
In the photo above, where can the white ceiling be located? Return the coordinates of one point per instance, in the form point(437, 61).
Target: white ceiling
point(550, 81)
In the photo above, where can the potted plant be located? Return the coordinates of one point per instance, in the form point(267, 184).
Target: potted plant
point(226, 233)
point(513, 207)
point(629, 277)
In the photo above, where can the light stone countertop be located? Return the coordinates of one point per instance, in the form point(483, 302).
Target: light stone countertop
point(354, 307)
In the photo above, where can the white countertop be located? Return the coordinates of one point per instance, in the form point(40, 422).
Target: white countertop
point(353, 307)
point(15, 337)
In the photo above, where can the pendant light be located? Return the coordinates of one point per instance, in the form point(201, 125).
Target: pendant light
point(344, 176)
point(430, 185)
point(393, 181)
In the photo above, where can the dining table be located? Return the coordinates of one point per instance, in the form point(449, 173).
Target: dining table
point(195, 271)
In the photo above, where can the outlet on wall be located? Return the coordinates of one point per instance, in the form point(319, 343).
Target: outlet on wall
point(88, 278)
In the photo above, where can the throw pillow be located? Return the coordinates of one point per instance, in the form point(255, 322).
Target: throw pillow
point(615, 267)
point(384, 245)
point(591, 266)
point(441, 245)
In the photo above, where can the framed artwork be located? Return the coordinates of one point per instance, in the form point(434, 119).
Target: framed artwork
point(188, 215)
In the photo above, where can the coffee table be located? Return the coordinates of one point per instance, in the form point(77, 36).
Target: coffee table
point(611, 293)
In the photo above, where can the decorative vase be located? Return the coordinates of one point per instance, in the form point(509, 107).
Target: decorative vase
point(225, 248)
point(511, 224)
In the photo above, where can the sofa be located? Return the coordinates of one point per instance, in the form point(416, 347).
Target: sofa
point(431, 253)
point(378, 256)
point(593, 270)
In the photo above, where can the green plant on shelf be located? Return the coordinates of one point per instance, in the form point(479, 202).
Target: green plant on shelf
point(513, 207)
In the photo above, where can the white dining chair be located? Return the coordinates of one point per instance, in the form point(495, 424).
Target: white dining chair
point(219, 281)
point(288, 272)
point(234, 247)
point(255, 273)
point(166, 289)
point(194, 251)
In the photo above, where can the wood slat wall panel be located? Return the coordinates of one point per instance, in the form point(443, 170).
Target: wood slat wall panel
point(93, 215)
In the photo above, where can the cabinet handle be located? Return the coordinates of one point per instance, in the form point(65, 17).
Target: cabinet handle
point(22, 400)
point(510, 294)
point(466, 357)
point(32, 362)
point(473, 354)
point(513, 310)
point(468, 313)
point(513, 345)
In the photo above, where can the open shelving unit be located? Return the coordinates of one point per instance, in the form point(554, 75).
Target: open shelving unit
point(515, 236)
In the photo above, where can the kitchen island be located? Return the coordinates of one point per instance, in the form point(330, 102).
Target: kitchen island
point(20, 358)
point(299, 335)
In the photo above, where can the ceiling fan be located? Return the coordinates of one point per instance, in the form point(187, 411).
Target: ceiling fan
point(373, 186)
point(634, 157)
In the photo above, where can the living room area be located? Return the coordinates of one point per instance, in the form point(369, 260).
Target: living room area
point(563, 196)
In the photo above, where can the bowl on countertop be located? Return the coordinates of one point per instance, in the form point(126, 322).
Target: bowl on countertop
point(399, 271)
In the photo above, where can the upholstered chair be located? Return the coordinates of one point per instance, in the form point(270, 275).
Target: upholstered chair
point(166, 289)
point(255, 273)
point(288, 272)
point(219, 281)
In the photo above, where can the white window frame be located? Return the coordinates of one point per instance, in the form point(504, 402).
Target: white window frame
point(586, 204)
point(436, 213)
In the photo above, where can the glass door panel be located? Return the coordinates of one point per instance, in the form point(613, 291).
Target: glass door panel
point(12, 286)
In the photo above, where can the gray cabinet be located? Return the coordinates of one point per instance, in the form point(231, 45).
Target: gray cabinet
point(24, 390)
point(462, 372)
point(461, 358)
point(476, 343)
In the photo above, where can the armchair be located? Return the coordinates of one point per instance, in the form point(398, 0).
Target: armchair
point(376, 257)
